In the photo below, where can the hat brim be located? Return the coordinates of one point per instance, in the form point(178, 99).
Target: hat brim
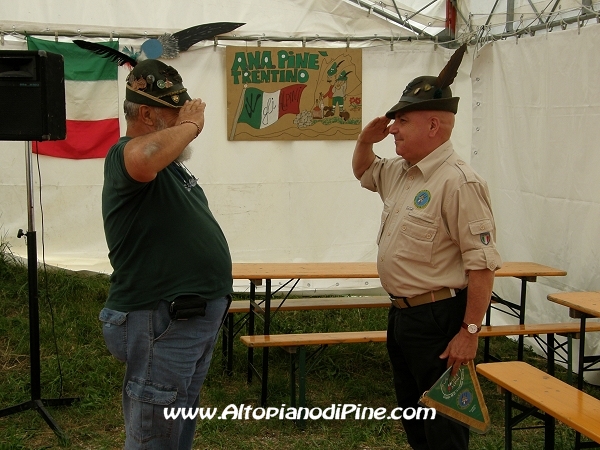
point(442, 104)
point(166, 101)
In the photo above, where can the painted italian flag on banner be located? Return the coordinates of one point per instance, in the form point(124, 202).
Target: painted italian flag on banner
point(261, 109)
point(92, 96)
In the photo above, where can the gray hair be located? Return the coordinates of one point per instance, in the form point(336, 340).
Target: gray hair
point(131, 110)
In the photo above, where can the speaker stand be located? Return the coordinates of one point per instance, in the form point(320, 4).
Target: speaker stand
point(36, 402)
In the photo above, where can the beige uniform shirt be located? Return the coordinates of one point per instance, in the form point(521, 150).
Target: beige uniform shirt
point(436, 225)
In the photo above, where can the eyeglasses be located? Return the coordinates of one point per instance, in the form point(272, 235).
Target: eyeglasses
point(182, 172)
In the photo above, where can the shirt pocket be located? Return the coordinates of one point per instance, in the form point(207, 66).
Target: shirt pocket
point(481, 232)
point(387, 207)
point(416, 239)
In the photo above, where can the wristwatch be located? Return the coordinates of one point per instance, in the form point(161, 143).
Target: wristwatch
point(471, 328)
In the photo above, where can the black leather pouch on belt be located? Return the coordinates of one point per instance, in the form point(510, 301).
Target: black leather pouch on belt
point(187, 306)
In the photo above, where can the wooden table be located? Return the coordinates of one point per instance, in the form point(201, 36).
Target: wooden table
point(526, 272)
point(582, 305)
point(257, 272)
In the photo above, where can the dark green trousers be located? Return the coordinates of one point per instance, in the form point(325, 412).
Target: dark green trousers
point(416, 338)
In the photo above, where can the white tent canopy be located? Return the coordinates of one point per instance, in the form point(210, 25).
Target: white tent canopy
point(528, 108)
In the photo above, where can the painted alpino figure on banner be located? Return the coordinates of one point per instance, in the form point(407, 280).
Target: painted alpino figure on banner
point(338, 85)
point(284, 94)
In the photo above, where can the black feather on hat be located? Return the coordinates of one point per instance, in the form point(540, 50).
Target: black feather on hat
point(106, 52)
point(429, 93)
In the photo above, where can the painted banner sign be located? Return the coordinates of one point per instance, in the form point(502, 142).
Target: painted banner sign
point(276, 93)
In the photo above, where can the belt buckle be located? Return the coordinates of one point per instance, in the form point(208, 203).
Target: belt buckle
point(396, 302)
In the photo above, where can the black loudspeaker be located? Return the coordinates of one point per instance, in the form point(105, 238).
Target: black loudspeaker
point(32, 96)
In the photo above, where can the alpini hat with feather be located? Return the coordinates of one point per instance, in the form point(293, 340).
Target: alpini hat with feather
point(154, 83)
point(428, 93)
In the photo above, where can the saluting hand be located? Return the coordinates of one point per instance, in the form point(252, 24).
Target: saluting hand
point(375, 131)
point(193, 111)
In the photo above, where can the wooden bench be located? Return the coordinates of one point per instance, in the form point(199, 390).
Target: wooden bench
point(295, 344)
point(315, 303)
point(291, 304)
point(555, 398)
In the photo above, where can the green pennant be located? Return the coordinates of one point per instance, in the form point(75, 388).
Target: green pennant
point(459, 398)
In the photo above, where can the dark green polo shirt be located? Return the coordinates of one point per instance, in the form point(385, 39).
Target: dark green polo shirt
point(162, 238)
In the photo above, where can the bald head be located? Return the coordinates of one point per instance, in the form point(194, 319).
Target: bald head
point(446, 119)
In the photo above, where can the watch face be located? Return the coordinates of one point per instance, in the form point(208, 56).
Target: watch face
point(472, 328)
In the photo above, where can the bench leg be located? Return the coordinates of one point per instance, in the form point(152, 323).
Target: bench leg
point(522, 318)
point(550, 346)
point(227, 344)
point(264, 377)
point(486, 341)
point(230, 332)
point(569, 359)
point(302, 377)
point(507, 420)
point(549, 427)
point(298, 364)
point(301, 383)
point(581, 354)
point(549, 423)
point(251, 331)
point(292, 378)
point(265, 353)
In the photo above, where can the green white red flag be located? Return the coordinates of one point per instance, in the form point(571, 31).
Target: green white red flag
point(261, 109)
point(92, 96)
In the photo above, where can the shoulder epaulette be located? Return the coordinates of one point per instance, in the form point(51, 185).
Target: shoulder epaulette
point(466, 170)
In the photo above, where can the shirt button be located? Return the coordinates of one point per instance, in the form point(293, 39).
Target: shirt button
point(428, 236)
point(411, 178)
point(482, 227)
point(403, 228)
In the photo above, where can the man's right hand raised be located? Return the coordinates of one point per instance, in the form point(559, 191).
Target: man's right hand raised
point(193, 111)
point(375, 131)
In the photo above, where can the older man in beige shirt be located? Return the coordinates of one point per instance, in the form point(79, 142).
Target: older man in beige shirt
point(437, 253)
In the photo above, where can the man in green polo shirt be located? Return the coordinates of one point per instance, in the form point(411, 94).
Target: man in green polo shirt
point(171, 281)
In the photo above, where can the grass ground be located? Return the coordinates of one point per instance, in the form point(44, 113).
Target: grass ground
point(344, 374)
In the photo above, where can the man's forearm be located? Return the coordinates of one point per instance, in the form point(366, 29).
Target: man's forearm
point(149, 154)
point(479, 294)
point(362, 158)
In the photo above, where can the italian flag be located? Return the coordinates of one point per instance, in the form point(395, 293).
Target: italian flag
point(261, 109)
point(92, 96)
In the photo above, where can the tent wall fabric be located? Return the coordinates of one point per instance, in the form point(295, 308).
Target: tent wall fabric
point(262, 17)
point(276, 200)
point(526, 118)
point(536, 106)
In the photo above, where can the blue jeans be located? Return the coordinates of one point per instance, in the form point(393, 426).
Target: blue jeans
point(166, 364)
